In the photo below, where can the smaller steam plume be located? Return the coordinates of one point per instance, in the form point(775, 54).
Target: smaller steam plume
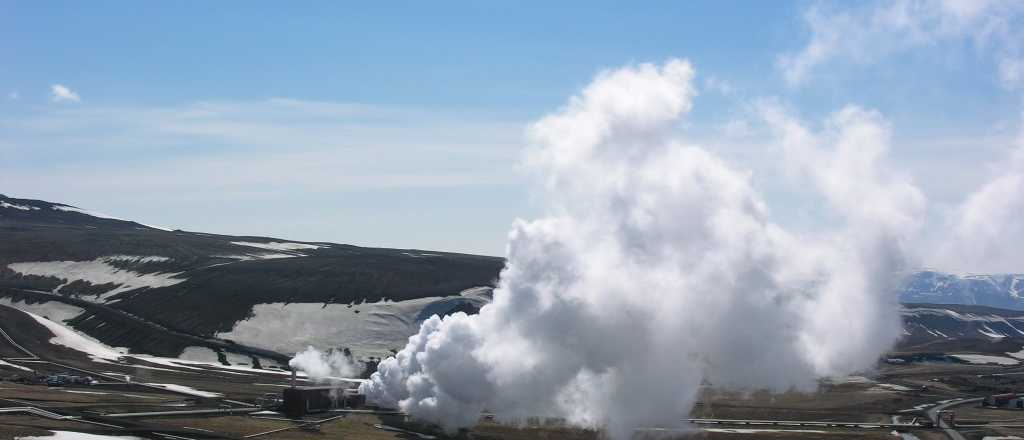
point(320, 366)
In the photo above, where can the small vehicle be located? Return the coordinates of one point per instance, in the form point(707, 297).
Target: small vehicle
point(57, 380)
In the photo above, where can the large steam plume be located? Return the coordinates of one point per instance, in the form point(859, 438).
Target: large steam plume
point(658, 268)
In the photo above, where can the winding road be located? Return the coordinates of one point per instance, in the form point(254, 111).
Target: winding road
point(951, 432)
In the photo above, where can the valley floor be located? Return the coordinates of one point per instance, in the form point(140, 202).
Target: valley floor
point(199, 400)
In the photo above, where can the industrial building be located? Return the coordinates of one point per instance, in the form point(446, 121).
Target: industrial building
point(299, 401)
point(1008, 400)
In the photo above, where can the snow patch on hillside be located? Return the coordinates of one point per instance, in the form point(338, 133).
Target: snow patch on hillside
point(185, 389)
point(985, 359)
point(100, 352)
point(945, 313)
point(85, 392)
point(963, 324)
point(56, 311)
point(987, 331)
point(247, 257)
point(420, 254)
point(167, 362)
point(209, 356)
point(907, 326)
point(76, 341)
point(100, 271)
point(139, 259)
point(67, 208)
point(208, 366)
point(369, 329)
point(930, 311)
point(199, 354)
point(279, 245)
point(19, 207)
point(8, 364)
point(239, 359)
point(755, 430)
point(888, 387)
point(482, 294)
point(853, 379)
point(1017, 354)
point(71, 435)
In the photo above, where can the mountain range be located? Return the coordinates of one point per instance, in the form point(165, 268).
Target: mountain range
point(1000, 291)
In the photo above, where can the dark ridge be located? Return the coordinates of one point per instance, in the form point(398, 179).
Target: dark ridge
point(216, 290)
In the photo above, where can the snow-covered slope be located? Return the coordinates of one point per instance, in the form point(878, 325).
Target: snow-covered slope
point(279, 246)
point(923, 322)
point(73, 435)
point(61, 335)
point(368, 329)
point(78, 342)
point(160, 292)
point(100, 272)
point(1000, 291)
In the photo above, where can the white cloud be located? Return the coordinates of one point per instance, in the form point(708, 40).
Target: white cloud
point(61, 93)
point(864, 34)
point(14, 95)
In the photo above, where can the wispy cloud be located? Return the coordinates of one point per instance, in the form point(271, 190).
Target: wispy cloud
point(718, 85)
point(61, 93)
point(14, 95)
point(1011, 72)
point(314, 170)
point(251, 146)
point(865, 34)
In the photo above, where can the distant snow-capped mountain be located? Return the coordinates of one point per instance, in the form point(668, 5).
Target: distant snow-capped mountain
point(1000, 291)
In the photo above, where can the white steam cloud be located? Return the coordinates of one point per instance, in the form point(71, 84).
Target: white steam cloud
point(319, 365)
point(988, 221)
point(659, 268)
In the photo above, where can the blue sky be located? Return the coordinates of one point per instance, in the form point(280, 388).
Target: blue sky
point(401, 125)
